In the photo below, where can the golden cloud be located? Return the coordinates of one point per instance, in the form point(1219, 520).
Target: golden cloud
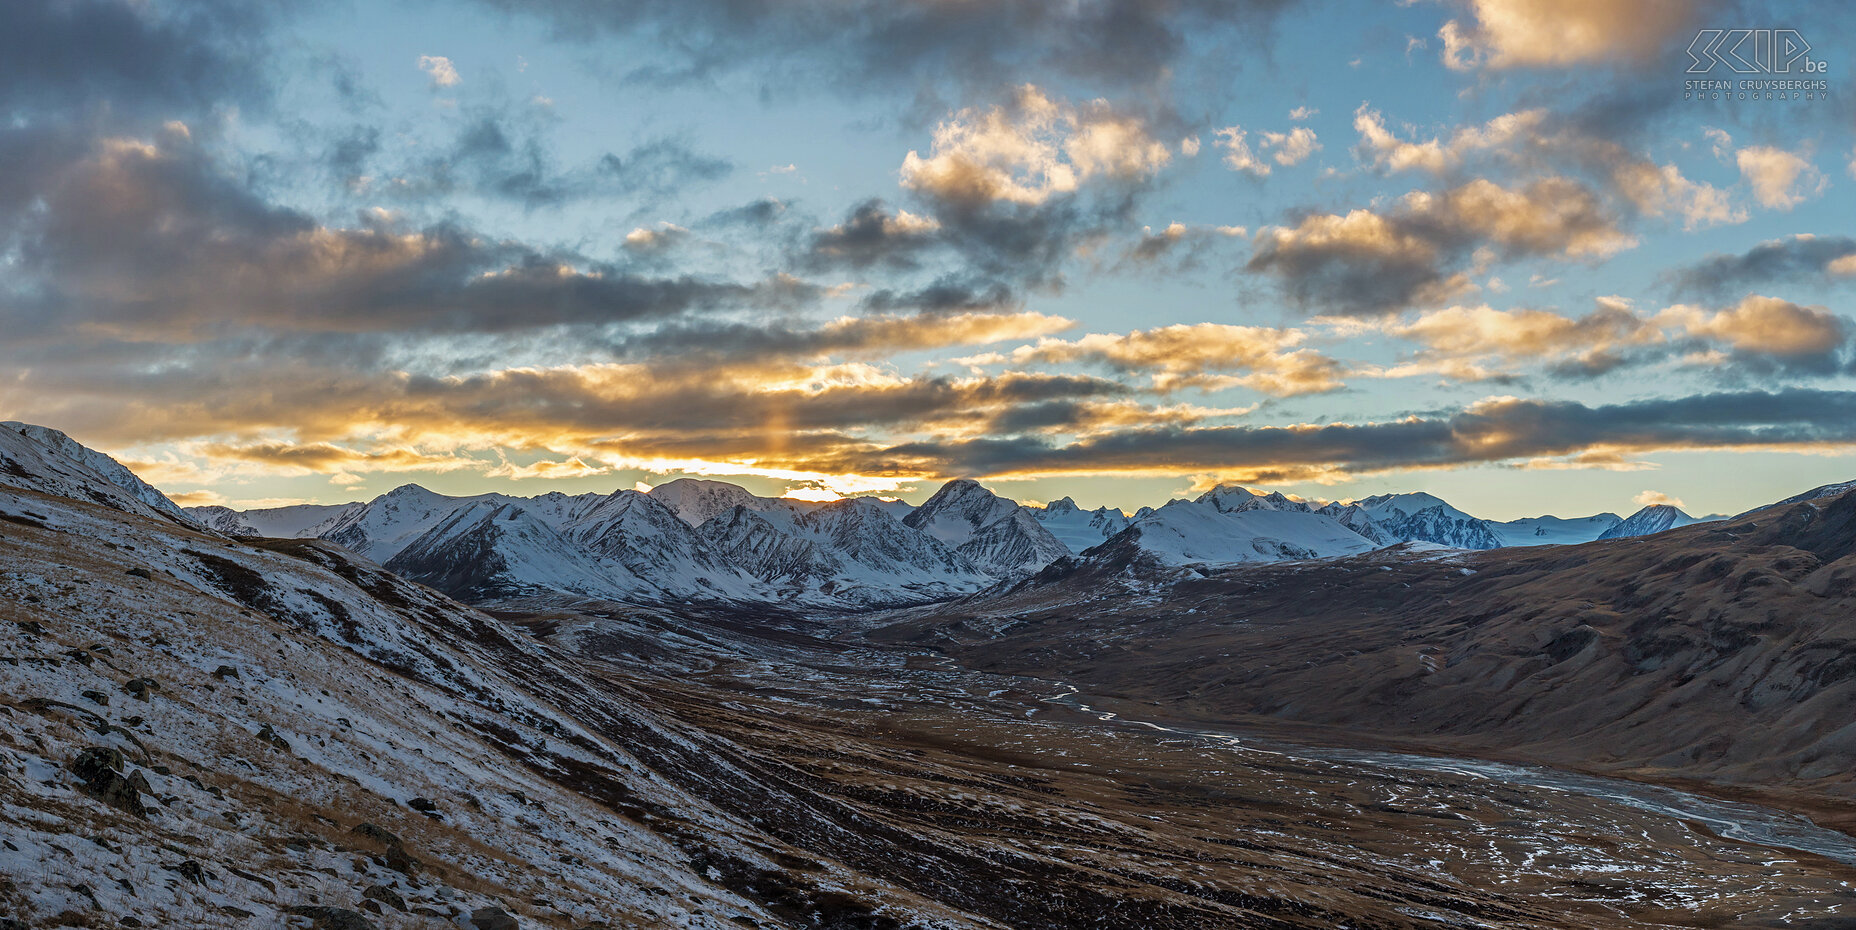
point(1031, 149)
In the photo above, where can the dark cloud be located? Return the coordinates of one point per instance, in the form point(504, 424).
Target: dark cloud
point(948, 294)
point(1792, 260)
point(862, 45)
point(152, 237)
point(504, 154)
point(1499, 431)
point(873, 235)
point(758, 214)
point(1418, 252)
point(57, 56)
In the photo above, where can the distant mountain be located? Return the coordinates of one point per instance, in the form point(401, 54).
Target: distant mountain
point(1229, 498)
point(1652, 519)
point(710, 541)
point(1420, 517)
point(999, 536)
point(1197, 532)
point(490, 550)
point(1355, 518)
point(1554, 531)
point(1079, 529)
point(698, 500)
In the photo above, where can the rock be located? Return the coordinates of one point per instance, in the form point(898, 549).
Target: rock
point(492, 918)
point(395, 855)
point(191, 871)
point(99, 771)
point(97, 697)
point(376, 833)
point(386, 896)
point(269, 735)
point(138, 573)
point(333, 918)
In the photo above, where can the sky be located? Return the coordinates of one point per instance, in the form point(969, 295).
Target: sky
point(1503, 251)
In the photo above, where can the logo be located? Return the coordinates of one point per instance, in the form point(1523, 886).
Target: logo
point(1753, 51)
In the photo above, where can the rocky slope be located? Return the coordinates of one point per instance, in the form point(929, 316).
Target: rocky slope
point(200, 732)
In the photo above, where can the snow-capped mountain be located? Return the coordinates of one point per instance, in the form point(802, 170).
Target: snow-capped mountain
point(1420, 517)
point(1653, 519)
point(36, 458)
point(1197, 532)
point(1554, 531)
point(699, 500)
point(1079, 529)
point(1230, 498)
point(999, 536)
point(1355, 518)
point(487, 550)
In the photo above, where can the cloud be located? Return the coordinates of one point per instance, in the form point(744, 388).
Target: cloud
point(1210, 356)
point(1031, 149)
point(150, 239)
point(1503, 34)
point(1175, 247)
point(1292, 147)
point(1535, 139)
point(505, 155)
point(1386, 151)
point(1480, 342)
point(1793, 259)
point(1780, 179)
point(1237, 153)
point(1285, 148)
point(874, 235)
point(1366, 262)
point(1501, 430)
point(573, 467)
point(440, 69)
point(1768, 326)
point(655, 239)
point(886, 46)
point(1656, 499)
point(140, 62)
point(1761, 334)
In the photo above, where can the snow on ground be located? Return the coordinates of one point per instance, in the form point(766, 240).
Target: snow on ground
point(296, 729)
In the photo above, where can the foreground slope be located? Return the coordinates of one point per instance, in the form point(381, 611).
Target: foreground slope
point(198, 732)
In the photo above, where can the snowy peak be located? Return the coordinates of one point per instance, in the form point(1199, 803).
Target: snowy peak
point(997, 535)
point(223, 519)
point(958, 509)
point(1080, 529)
point(1230, 498)
point(1652, 519)
point(1420, 517)
point(37, 458)
point(1355, 518)
point(698, 500)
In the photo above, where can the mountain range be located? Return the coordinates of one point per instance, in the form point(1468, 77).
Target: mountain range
point(698, 540)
